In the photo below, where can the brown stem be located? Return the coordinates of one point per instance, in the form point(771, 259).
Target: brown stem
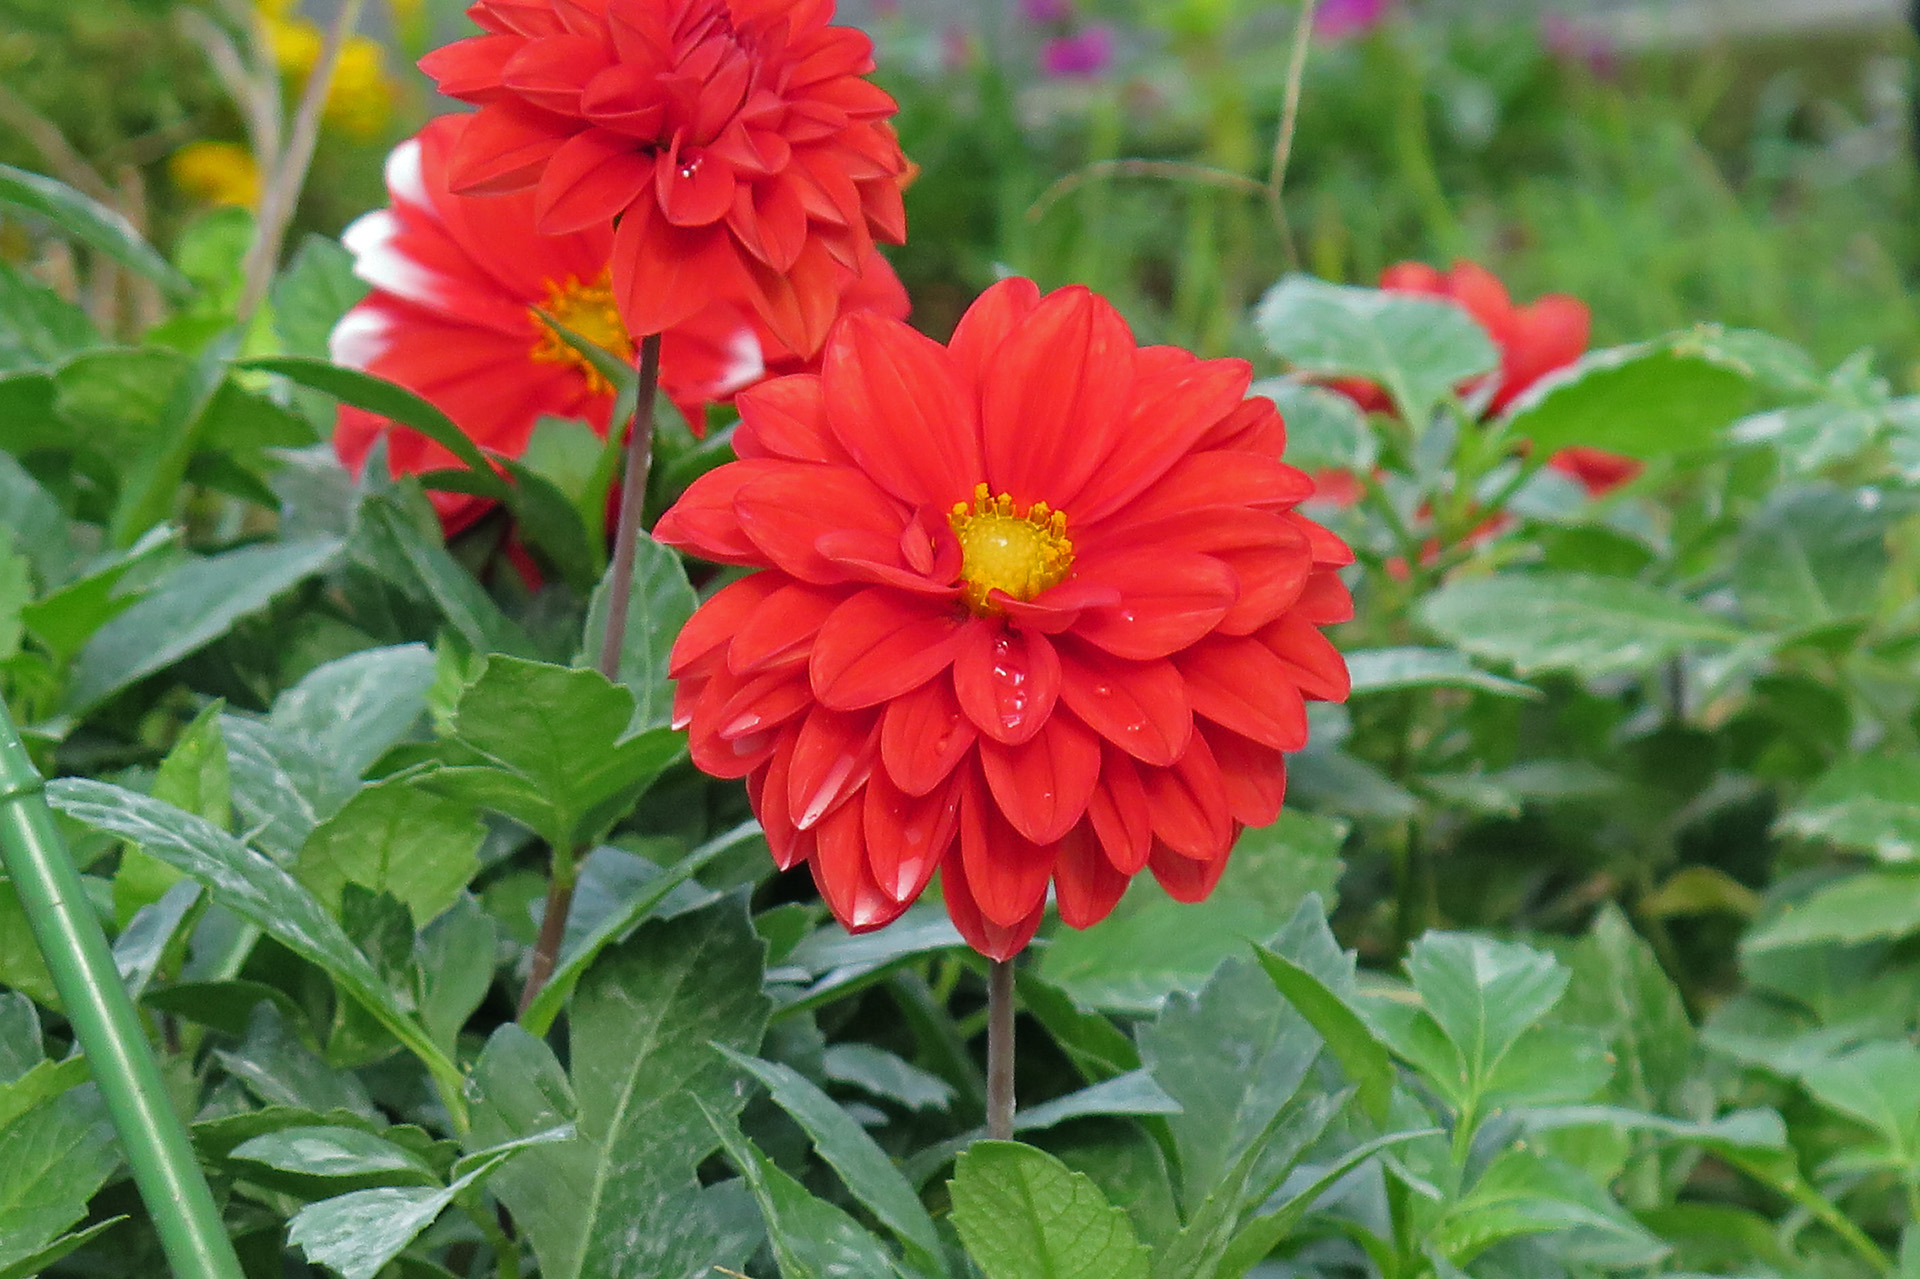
point(553, 927)
point(1000, 1050)
point(633, 498)
point(1289, 121)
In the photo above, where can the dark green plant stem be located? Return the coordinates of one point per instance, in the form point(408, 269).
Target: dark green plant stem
point(1000, 1050)
point(104, 1021)
point(633, 501)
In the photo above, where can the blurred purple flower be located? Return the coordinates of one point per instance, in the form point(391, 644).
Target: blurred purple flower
point(1337, 19)
point(1046, 13)
point(1574, 41)
point(1084, 55)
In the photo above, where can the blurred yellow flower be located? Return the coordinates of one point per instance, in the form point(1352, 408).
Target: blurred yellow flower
point(360, 100)
point(219, 173)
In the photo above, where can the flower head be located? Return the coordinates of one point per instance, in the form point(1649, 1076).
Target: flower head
point(1032, 607)
point(1084, 55)
point(1338, 19)
point(219, 173)
point(458, 283)
point(734, 141)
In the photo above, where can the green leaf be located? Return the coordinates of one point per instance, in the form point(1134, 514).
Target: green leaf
point(453, 961)
point(879, 1073)
point(616, 891)
point(1866, 802)
point(1098, 1048)
point(91, 223)
point(153, 472)
point(65, 619)
point(1152, 945)
point(1023, 1214)
point(397, 536)
point(551, 525)
point(1619, 989)
point(351, 711)
point(1523, 1193)
point(552, 749)
point(1864, 907)
point(357, 1234)
point(37, 325)
point(38, 526)
point(1653, 399)
point(276, 1065)
point(388, 400)
point(1588, 626)
point(281, 789)
point(1877, 1084)
point(1326, 431)
point(1483, 994)
point(1418, 348)
point(1134, 1093)
point(28, 1267)
point(811, 1238)
point(251, 886)
point(21, 966)
point(659, 606)
point(1814, 555)
point(310, 296)
point(16, 589)
point(194, 778)
point(1322, 1003)
point(187, 609)
point(53, 1159)
point(41, 1084)
point(397, 839)
point(335, 1152)
point(1384, 670)
point(620, 1201)
point(1233, 1057)
point(1810, 437)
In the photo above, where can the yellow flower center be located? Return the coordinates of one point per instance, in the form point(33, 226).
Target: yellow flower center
point(588, 310)
point(1021, 554)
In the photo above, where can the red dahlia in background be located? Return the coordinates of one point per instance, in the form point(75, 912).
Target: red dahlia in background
point(735, 141)
point(456, 282)
point(1031, 607)
point(1533, 341)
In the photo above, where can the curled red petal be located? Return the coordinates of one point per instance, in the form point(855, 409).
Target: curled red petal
point(1006, 872)
point(924, 736)
point(1086, 886)
point(1240, 684)
point(1185, 879)
point(839, 865)
point(990, 938)
point(832, 756)
point(1141, 707)
point(1120, 814)
point(1189, 803)
point(880, 644)
point(1007, 681)
point(908, 836)
point(1043, 786)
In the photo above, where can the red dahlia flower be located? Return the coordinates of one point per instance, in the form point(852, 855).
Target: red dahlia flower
point(734, 140)
point(1533, 341)
point(1032, 606)
point(456, 281)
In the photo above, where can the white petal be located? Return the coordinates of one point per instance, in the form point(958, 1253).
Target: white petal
point(361, 337)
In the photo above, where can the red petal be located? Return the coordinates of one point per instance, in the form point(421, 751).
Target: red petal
point(787, 417)
point(504, 147)
point(1168, 601)
point(879, 645)
point(800, 304)
point(550, 72)
point(780, 631)
point(1325, 601)
point(704, 523)
point(761, 704)
point(1328, 550)
point(1007, 681)
point(1189, 803)
point(1256, 777)
point(1240, 684)
point(839, 865)
point(907, 837)
point(695, 187)
point(1311, 658)
point(788, 506)
point(923, 735)
point(1007, 873)
point(665, 275)
point(1086, 887)
point(1053, 612)
point(995, 941)
point(1184, 879)
point(1205, 481)
point(725, 757)
point(471, 69)
point(767, 789)
point(1169, 412)
point(1043, 787)
point(831, 759)
point(715, 621)
point(896, 404)
point(591, 179)
point(1054, 398)
point(993, 315)
point(1140, 707)
point(1120, 814)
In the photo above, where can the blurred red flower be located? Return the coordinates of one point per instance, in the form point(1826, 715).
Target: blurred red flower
point(451, 317)
point(1533, 341)
point(1032, 606)
point(734, 141)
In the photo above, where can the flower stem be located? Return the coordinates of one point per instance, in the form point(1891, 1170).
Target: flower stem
point(633, 500)
point(104, 1021)
point(1000, 1050)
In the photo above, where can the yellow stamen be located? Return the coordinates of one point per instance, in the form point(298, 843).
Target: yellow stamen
point(1022, 554)
point(589, 310)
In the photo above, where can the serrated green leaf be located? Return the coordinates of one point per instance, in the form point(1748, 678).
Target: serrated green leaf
point(1814, 555)
point(187, 609)
point(353, 710)
point(282, 790)
point(394, 838)
point(1865, 802)
point(1363, 1057)
point(1483, 994)
point(879, 1073)
point(194, 778)
point(64, 619)
point(1523, 1193)
point(53, 1159)
point(1864, 907)
point(1418, 348)
point(335, 1152)
point(1325, 430)
point(1023, 1214)
point(1588, 626)
point(1877, 1084)
point(28, 1267)
point(396, 535)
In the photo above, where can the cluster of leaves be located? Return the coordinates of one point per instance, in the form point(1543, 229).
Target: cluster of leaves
point(314, 762)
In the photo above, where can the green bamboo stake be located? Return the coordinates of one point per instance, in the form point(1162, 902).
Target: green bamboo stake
point(104, 1020)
